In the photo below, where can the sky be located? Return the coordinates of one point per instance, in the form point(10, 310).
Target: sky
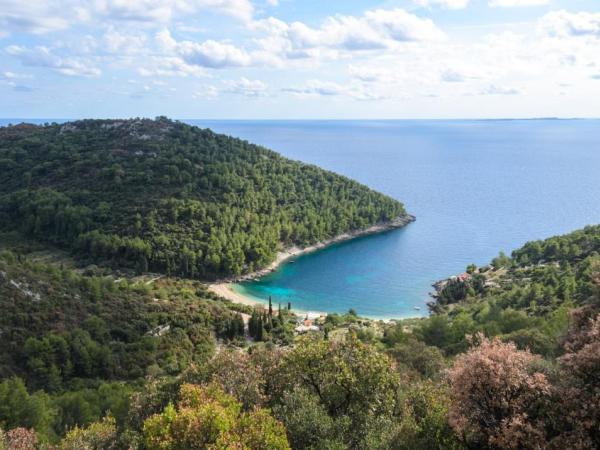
point(292, 59)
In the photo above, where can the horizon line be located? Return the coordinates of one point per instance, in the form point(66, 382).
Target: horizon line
point(305, 119)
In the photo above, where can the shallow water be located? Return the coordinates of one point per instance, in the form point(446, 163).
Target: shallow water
point(476, 187)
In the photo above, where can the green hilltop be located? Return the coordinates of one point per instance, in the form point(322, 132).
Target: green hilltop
point(165, 196)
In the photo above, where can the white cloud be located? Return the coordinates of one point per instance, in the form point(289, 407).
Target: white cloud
point(213, 54)
point(185, 58)
point(400, 25)
point(246, 87)
point(169, 66)
point(32, 16)
point(206, 92)
point(45, 16)
point(369, 74)
point(499, 90)
point(163, 11)
point(241, 9)
point(517, 3)
point(318, 88)
point(128, 44)
point(447, 4)
point(565, 24)
point(452, 76)
point(7, 75)
point(41, 56)
point(10, 79)
point(501, 64)
point(134, 10)
point(242, 86)
point(374, 30)
point(378, 54)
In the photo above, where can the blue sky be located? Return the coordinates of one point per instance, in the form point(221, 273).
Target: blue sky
point(286, 59)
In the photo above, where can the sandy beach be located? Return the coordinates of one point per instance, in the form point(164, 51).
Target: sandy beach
point(224, 288)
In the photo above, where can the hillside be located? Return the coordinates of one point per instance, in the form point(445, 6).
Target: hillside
point(95, 356)
point(164, 196)
point(134, 360)
point(61, 327)
point(525, 298)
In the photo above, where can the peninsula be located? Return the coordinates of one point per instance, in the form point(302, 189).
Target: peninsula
point(158, 195)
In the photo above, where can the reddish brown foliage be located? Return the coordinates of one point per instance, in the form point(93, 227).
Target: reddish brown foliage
point(496, 396)
point(578, 390)
point(21, 439)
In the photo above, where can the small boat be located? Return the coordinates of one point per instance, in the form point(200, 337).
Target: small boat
point(292, 261)
point(418, 308)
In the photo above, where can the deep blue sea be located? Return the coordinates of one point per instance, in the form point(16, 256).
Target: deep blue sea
point(476, 187)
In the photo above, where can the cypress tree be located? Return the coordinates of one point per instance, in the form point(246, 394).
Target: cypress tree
point(280, 316)
point(260, 329)
point(253, 324)
point(239, 325)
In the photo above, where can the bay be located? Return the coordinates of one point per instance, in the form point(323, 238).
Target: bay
point(475, 186)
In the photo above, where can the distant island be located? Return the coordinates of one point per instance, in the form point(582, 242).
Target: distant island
point(163, 196)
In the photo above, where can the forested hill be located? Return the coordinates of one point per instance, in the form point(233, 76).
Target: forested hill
point(165, 196)
point(525, 298)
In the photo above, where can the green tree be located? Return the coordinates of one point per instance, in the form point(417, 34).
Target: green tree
point(207, 418)
point(354, 383)
point(18, 408)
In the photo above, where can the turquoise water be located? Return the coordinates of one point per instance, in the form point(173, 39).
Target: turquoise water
point(476, 187)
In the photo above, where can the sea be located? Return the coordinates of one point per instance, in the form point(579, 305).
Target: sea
point(476, 187)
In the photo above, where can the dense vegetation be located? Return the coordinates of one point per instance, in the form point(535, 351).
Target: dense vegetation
point(97, 359)
point(60, 327)
point(164, 196)
point(88, 364)
point(525, 299)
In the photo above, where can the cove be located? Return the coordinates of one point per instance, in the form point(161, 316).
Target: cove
point(476, 187)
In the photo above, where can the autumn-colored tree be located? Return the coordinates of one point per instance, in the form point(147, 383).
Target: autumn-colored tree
point(578, 410)
point(498, 397)
point(19, 439)
point(208, 418)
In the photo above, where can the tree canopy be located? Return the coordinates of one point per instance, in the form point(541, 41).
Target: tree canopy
point(164, 196)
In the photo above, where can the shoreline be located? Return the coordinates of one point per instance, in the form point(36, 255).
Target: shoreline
point(225, 289)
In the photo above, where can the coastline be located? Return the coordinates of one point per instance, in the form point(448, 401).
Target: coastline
point(225, 289)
